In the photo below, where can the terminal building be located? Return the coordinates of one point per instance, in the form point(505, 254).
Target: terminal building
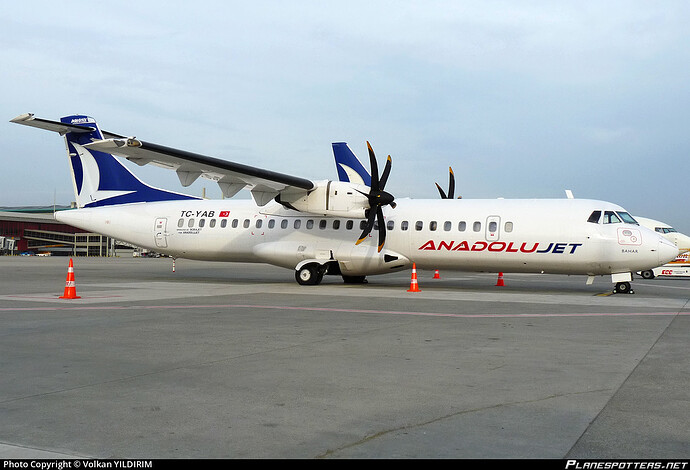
point(34, 231)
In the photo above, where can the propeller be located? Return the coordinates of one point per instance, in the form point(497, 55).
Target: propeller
point(451, 187)
point(377, 199)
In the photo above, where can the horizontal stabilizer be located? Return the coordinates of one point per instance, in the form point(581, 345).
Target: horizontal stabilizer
point(87, 125)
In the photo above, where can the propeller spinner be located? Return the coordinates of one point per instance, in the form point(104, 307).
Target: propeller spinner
point(377, 199)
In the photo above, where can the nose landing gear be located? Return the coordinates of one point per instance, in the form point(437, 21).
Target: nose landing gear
point(623, 288)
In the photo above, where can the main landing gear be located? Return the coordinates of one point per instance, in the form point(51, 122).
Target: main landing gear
point(623, 288)
point(311, 274)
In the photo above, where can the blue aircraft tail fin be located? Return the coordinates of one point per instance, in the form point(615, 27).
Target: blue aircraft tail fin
point(99, 178)
point(350, 169)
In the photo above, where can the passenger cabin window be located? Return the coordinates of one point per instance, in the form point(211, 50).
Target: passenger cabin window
point(404, 225)
point(202, 222)
point(212, 223)
point(322, 224)
point(432, 225)
point(349, 224)
point(594, 217)
point(310, 224)
point(298, 224)
point(418, 225)
point(271, 223)
point(508, 227)
point(246, 223)
point(190, 224)
point(610, 217)
point(235, 223)
point(180, 223)
point(390, 225)
point(223, 223)
point(259, 223)
point(447, 225)
point(336, 224)
point(477, 226)
point(284, 223)
point(462, 226)
point(492, 226)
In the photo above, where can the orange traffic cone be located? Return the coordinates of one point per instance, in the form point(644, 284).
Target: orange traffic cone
point(70, 286)
point(436, 275)
point(500, 280)
point(414, 287)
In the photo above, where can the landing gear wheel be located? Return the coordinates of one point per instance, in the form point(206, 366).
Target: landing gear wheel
point(309, 275)
point(622, 288)
point(649, 274)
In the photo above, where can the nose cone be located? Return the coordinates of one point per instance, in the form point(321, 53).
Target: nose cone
point(667, 251)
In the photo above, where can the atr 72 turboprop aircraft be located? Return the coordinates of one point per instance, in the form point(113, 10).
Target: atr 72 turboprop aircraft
point(328, 227)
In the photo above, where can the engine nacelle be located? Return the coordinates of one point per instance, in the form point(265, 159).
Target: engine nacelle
point(331, 198)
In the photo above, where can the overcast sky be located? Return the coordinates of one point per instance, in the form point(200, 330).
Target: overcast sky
point(522, 99)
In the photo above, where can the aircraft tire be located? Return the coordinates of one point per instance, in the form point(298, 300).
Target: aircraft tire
point(308, 275)
point(623, 288)
point(649, 274)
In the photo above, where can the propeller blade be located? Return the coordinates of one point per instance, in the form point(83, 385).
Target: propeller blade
point(451, 184)
point(368, 227)
point(377, 199)
point(386, 172)
point(382, 227)
point(374, 169)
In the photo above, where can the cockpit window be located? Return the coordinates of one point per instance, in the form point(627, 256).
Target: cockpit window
point(665, 229)
point(627, 218)
point(594, 218)
point(610, 217)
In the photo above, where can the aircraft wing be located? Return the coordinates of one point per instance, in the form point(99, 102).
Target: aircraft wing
point(230, 176)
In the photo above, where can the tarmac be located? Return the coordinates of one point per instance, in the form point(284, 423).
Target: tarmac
point(238, 361)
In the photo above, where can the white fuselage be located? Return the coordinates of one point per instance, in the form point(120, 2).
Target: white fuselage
point(498, 235)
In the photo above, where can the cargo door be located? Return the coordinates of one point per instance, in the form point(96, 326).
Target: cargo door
point(161, 233)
